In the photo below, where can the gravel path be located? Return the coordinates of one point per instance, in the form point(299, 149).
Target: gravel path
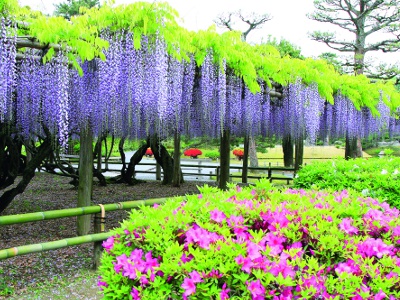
point(65, 270)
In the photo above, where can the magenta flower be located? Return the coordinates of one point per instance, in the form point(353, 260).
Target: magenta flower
point(275, 243)
point(346, 226)
point(223, 295)
point(246, 263)
point(189, 286)
point(101, 284)
point(256, 289)
point(235, 220)
point(186, 258)
point(135, 294)
point(253, 250)
point(122, 260)
point(381, 295)
point(143, 280)
point(108, 244)
point(195, 276)
point(348, 267)
point(217, 216)
point(282, 268)
point(374, 247)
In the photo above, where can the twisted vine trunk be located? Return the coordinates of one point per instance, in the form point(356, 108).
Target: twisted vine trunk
point(164, 159)
point(287, 147)
point(224, 159)
point(299, 153)
point(177, 178)
point(245, 169)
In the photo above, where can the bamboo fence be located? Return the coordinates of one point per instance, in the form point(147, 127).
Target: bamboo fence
point(96, 238)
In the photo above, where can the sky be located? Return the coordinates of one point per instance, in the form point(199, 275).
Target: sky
point(289, 20)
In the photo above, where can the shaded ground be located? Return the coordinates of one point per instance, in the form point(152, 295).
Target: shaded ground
point(25, 277)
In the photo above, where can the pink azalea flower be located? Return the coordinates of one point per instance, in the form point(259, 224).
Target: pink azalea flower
point(186, 258)
point(143, 280)
point(346, 226)
point(223, 295)
point(348, 267)
point(275, 243)
point(195, 276)
point(135, 294)
point(121, 261)
point(245, 262)
point(217, 216)
point(253, 250)
point(108, 244)
point(189, 286)
point(374, 247)
point(256, 289)
point(102, 284)
point(235, 220)
point(381, 295)
point(283, 268)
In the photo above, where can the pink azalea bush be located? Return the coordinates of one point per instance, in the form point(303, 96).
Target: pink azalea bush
point(256, 243)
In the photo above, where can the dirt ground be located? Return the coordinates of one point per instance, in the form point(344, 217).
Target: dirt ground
point(51, 192)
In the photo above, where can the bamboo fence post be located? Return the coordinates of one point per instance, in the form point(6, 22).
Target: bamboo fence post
point(99, 227)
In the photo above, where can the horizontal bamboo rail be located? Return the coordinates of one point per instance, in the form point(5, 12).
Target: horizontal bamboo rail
point(27, 249)
point(73, 212)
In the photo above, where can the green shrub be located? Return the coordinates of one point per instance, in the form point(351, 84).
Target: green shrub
point(375, 177)
point(255, 243)
point(213, 154)
point(388, 151)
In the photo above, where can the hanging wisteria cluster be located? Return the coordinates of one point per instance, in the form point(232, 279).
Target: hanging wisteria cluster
point(42, 97)
point(7, 69)
point(137, 92)
point(343, 119)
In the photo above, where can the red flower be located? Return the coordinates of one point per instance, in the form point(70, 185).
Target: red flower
point(149, 152)
point(238, 153)
point(192, 152)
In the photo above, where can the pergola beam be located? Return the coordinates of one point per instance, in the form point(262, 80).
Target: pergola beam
point(31, 43)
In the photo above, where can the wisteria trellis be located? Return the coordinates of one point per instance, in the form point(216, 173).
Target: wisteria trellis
point(137, 92)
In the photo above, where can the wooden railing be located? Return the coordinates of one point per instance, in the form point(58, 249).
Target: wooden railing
point(270, 172)
point(97, 237)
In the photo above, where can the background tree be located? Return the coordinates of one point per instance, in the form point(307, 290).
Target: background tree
point(285, 47)
point(253, 21)
point(71, 7)
point(362, 19)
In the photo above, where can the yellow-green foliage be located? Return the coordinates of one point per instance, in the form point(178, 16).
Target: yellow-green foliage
point(8, 7)
point(81, 38)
